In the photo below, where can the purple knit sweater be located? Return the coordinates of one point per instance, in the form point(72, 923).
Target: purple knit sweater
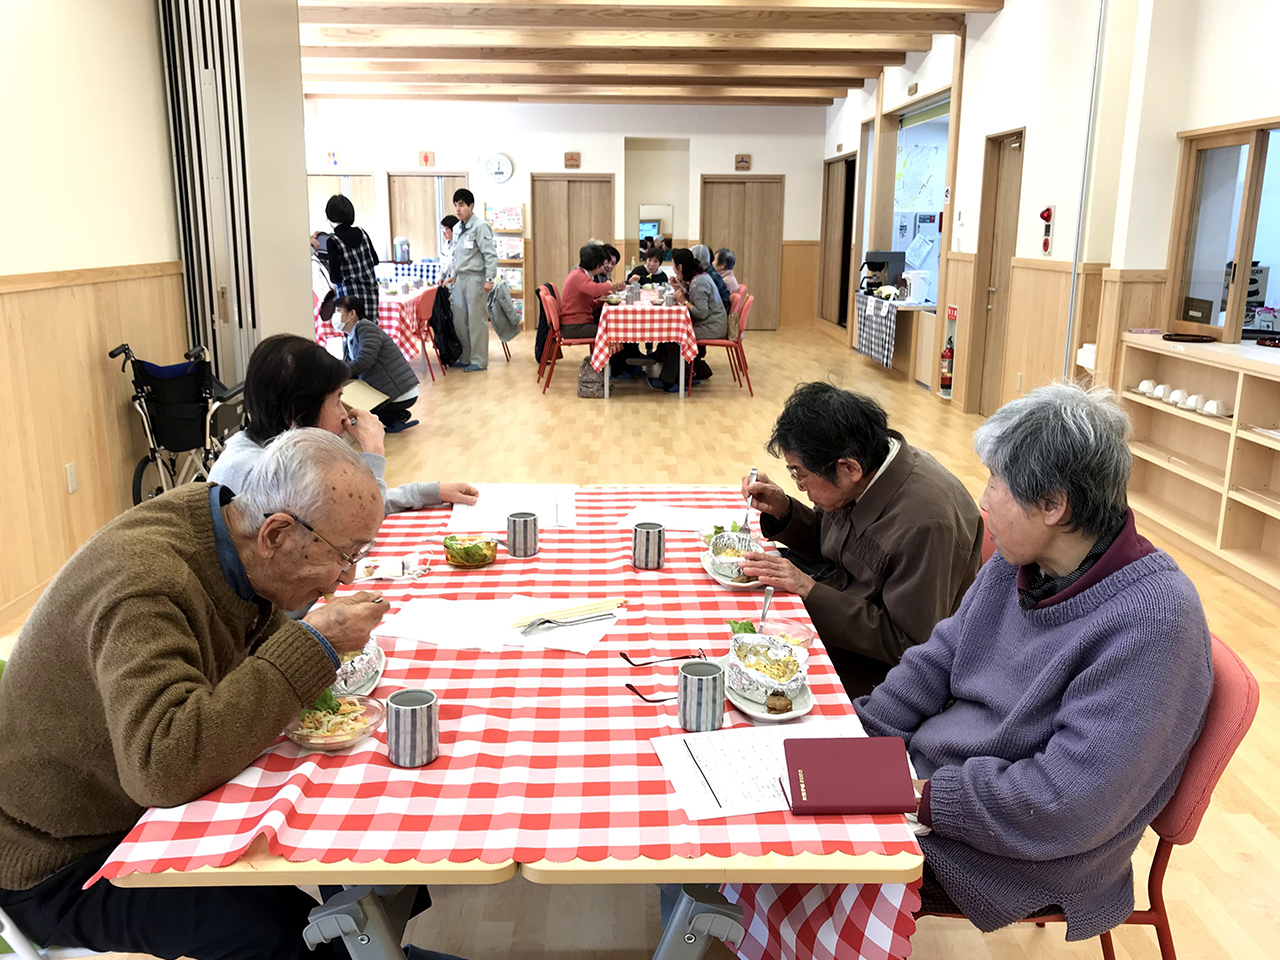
point(1051, 737)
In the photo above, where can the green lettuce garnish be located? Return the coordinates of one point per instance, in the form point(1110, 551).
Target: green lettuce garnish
point(741, 626)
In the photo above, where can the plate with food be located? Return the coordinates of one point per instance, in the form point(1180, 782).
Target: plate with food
point(335, 723)
point(791, 631)
point(776, 709)
point(723, 560)
point(612, 301)
point(360, 670)
point(409, 567)
point(708, 533)
point(469, 551)
point(732, 584)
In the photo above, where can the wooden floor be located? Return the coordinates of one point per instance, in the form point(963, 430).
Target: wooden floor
point(1222, 890)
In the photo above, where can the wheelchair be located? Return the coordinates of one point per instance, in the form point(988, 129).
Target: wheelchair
point(187, 416)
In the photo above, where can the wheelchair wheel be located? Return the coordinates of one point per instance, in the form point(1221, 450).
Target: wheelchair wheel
point(148, 481)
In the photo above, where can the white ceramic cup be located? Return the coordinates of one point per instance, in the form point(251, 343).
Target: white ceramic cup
point(1163, 391)
point(1216, 408)
point(1178, 396)
point(1147, 387)
point(1194, 402)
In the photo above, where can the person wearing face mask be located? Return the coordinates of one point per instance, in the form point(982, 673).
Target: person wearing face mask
point(293, 382)
point(351, 256)
point(374, 357)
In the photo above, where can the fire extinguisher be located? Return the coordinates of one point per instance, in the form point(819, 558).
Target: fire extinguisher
point(948, 365)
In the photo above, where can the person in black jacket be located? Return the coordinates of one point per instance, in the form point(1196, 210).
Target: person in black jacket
point(650, 270)
point(374, 358)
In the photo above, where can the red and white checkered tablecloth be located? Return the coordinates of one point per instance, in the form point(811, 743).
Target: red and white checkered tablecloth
point(545, 754)
point(643, 323)
point(397, 315)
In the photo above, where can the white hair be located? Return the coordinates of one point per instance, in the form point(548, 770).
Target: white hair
point(1062, 441)
point(294, 476)
point(702, 253)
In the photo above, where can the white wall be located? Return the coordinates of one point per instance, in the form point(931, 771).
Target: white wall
point(845, 118)
point(1232, 68)
point(376, 135)
point(931, 71)
point(1029, 66)
point(85, 157)
point(656, 172)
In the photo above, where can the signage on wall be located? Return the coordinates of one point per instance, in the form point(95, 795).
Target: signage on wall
point(426, 158)
point(572, 161)
point(742, 162)
point(331, 158)
point(953, 313)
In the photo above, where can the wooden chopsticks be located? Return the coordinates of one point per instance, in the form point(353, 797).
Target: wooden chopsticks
point(600, 606)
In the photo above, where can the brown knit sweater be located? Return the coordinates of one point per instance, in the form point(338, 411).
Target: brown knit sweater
point(140, 679)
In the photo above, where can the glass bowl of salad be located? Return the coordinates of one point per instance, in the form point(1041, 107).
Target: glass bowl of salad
point(470, 551)
point(792, 631)
point(334, 723)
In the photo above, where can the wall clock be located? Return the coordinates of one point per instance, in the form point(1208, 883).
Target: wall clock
point(499, 168)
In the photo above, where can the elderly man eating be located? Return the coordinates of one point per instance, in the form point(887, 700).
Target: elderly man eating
point(902, 536)
point(157, 666)
point(1053, 714)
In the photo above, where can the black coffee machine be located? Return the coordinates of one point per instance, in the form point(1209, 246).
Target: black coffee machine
point(882, 267)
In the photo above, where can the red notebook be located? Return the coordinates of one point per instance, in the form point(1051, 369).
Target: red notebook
point(849, 775)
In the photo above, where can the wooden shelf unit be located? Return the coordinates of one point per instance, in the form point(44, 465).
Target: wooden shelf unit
point(1212, 482)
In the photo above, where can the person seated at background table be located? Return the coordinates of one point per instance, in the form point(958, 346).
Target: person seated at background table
point(294, 382)
point(612, 257)
point(580, 295)
point(894, 541)
point(703, 253)
point(694, 290)
point(665, 244)
point(1052, 716)
point(351, 255)
point(446, 250)
point(724, 264)
point(649, 270)
point(156, 666)
point(375, 358)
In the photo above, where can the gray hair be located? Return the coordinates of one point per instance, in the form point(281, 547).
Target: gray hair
point(1062, 442)
point(725, 255)
point(702, 253)
point(294, 475)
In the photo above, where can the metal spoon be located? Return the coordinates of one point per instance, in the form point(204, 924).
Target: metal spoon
point(768, 595)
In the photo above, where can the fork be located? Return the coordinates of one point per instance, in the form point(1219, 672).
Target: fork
point(648, 663)
point(549, 622)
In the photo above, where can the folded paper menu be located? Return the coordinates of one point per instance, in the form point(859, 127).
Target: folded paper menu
point(849, 775)
point(361, 396)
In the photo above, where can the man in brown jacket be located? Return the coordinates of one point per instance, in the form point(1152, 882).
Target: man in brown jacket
point(903, 534)
point(156, 666)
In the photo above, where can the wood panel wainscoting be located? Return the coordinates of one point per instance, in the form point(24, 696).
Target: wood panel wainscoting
point(800, 268)
point(969, 330)
point(1088, 310)
point(1036, 335)
point(1129, 299)
point(66, 402)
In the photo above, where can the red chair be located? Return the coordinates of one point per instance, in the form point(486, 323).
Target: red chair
point(551, 351)
point(742, 290)
point(735, 302)
point(1232, 707)
point(733, 345)
point(424, 306)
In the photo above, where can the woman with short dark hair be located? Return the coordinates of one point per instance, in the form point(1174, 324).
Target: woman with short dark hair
point(294, 382)
point(694, 290)
point(351, 255)
point(376, 359)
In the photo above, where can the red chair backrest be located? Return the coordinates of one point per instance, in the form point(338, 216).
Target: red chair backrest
point(550, 308)
point(425, 305)
point(742, 290)
point(988, 545)
point(735, 301)
point(743, 315)
point(1232, 706)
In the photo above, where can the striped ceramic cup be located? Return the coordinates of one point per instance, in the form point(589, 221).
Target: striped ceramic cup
point(522, 534)
point(648, 546)
point(413, 728)
point(701, 695)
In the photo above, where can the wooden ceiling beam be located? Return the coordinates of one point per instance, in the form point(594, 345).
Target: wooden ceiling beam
point(602, 43)
point(578, 98)
point(820, 74)
point(773, 17)
point(467, 91)
point(358, 80)
point(880, 58)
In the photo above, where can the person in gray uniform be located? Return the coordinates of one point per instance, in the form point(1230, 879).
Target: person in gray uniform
point(475, 266)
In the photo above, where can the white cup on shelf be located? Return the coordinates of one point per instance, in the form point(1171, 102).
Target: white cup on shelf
point(1177, 397)
point(1194, 402)
point(1147, 387)
point(1216, 408)
point(1162, 392)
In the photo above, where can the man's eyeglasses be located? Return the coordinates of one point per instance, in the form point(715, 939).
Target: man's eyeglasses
point(351, 561)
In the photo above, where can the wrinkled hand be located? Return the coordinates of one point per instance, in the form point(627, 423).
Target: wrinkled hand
point(458, 493)
point(488, 285)
point(347, 621)
point(766, 496)
point(367, 431)
point(618, 285)
point(679, 295)
point(778, 572)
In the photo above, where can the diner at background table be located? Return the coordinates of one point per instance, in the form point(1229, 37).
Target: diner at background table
point(695, 290)
point(891, 544)
point(157, 666)
point(649, 269)
point(292, 382)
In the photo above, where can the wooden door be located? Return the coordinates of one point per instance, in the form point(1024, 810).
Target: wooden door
point(833, 240)
point(418, 202)
point(358, 188)
point(745, 215)
point(1005, 191)
point(565, 212)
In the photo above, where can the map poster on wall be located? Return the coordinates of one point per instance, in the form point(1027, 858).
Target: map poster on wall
point(504, 218)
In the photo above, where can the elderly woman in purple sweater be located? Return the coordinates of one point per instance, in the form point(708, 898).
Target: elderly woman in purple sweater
point(1053, 714)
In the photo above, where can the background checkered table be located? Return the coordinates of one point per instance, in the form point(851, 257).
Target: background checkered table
point(545, 754)
point(397, 315)
point(643, 323)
